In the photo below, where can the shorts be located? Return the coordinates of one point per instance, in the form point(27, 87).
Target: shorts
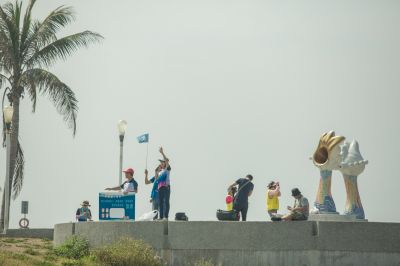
point(298, 216)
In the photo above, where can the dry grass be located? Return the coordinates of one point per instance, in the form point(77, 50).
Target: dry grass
point(28, 252)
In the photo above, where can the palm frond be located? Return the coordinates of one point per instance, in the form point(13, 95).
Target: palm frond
point(32, 95)
point(3, 80)
point(61, 95)
point(6, 45)
point(26, 27)
point(10, 29)
point(15, 13)
point(43, 33)
point(18, 177)
point(6, 51)
point(62, 48)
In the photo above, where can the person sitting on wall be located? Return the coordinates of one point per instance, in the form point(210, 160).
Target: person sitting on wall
point(300, 209)
point(130, 185)
point(273, 192)
point(84, 214)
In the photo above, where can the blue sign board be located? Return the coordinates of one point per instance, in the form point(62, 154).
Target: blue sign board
point(116, 206)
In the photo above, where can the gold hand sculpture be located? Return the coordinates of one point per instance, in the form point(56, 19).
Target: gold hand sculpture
point(327, 158)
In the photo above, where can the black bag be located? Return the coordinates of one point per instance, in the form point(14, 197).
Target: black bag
point(227, 215)
point(181, 216)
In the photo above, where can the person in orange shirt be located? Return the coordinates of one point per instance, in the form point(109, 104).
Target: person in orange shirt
point(229, 198)
point(273, 192)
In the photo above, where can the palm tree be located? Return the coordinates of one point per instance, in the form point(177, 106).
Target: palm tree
point(28, 48)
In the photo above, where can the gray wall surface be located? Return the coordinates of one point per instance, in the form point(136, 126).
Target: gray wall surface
point(30, 233)
point(253, 243)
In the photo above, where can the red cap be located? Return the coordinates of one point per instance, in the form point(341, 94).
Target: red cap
point(129, 170)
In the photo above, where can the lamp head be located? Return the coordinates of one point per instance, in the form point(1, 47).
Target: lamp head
point(122, 127)
point(8, 114)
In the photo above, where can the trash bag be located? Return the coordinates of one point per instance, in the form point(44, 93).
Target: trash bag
point(148, 216)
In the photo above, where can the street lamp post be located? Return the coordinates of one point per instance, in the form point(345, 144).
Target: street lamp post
point(8, 114)
point(121, 130)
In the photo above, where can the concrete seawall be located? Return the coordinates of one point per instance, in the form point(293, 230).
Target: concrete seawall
point(30, 233)
point(253, 243)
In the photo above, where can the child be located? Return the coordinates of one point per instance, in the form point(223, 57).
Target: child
point(229, 199)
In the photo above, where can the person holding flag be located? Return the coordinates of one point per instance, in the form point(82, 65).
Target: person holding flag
point(154, 192)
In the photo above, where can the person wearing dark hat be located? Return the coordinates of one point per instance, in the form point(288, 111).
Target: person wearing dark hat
point(130, 185)
point(300, 209)
point(84, 214)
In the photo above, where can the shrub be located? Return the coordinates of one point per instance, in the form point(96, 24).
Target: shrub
point(127, 251)
point(73, 248)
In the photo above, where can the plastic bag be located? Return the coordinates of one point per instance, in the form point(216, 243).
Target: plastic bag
point(148, 216)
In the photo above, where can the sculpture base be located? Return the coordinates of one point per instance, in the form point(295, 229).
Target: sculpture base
point(334, 217)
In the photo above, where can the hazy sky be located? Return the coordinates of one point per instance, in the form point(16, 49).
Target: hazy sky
point(228, 88)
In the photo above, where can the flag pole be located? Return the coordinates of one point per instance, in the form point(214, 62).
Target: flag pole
point(147, 153)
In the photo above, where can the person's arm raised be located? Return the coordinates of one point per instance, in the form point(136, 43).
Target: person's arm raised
point(161, 150)
point(278, 190)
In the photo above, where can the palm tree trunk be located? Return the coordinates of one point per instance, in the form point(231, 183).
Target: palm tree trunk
point(13, 152)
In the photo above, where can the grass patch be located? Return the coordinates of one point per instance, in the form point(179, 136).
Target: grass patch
point(12, 240)
point(73, 248)
point(125, 252)
point(19, 256)
point(50, 256)
point(75, 251)
point(44, 263)
point(31, 251)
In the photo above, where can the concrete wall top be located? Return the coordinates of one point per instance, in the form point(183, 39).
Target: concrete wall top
point(244, 236)
point(305, 235)
point(254, 236)
point(107, 232)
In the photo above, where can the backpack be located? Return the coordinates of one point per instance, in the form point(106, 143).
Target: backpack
point(227, 215)
point(181, 216)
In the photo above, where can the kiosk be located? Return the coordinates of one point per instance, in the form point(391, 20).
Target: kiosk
point(116, 206)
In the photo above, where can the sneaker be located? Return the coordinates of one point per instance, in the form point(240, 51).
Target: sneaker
point(276, 219)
